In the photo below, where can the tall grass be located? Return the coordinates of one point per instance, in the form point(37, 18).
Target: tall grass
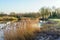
point(22, 30)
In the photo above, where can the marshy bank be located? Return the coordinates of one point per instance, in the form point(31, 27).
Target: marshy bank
point(27, 29)
point(22, 30)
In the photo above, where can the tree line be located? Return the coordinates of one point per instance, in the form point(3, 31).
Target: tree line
point(44, 12)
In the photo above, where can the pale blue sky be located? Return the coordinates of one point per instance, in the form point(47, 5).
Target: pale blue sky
point(26, 5)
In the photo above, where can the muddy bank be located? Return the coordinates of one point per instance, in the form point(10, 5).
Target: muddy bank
point(47, 35)
point(24, 30)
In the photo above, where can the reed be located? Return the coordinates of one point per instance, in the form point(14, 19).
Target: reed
point(22, 30)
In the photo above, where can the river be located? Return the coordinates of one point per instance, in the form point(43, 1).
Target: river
point(1, 31)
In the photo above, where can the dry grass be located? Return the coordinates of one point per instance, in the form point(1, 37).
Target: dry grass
point(23, 30)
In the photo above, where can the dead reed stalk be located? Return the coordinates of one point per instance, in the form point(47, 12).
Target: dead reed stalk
point(22, 30)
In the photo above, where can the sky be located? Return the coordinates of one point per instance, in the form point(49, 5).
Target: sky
point(8, 6)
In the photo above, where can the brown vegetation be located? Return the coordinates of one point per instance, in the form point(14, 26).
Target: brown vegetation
point(22, 30)
point(7, 18)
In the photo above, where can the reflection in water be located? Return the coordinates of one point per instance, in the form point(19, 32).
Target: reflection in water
point(2, 26)
point(1, 32)
point(1, 35)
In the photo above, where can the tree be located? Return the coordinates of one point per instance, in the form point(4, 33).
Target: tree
point(2, 14)
point(45, 12)
point(12, 13)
